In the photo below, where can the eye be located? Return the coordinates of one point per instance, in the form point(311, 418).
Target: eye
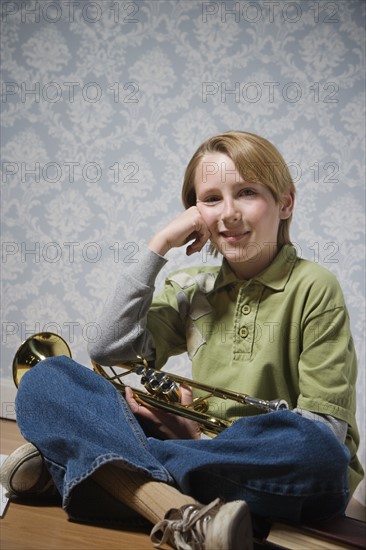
point(246, 192)
point(211, 200)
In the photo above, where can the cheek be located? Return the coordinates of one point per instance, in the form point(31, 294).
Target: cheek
point(263, 213)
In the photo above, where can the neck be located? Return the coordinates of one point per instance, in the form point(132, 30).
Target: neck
point(252, 267)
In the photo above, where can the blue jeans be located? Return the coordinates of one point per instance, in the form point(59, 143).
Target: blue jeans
point(282, 464)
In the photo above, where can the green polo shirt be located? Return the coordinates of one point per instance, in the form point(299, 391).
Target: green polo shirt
point(283, 334)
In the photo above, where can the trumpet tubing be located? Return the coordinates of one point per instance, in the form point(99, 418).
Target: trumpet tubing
point(163, 391)
point(162, 388)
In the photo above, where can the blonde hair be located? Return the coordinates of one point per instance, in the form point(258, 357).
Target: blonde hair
point(256, 160)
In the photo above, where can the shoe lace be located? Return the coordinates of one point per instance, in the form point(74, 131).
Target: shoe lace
point(188, 531)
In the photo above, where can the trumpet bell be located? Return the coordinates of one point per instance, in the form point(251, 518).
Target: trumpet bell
point(35, 349)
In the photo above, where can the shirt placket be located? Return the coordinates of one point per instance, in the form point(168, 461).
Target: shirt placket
point(246, 311)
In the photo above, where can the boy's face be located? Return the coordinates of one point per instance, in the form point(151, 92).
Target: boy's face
point(243, 217)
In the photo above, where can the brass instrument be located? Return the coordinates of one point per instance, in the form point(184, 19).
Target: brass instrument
point(36, 348)
point(162, 388)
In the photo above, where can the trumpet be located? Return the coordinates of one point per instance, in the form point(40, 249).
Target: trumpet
point(162, 388)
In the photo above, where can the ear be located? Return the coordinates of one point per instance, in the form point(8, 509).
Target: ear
point(287, 206)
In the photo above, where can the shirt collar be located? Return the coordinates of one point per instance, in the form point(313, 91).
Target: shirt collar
point(275, 276)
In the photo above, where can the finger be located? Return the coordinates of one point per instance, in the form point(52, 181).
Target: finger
point(186, 394)
point(201, 235)
point(197, 244)
point(203, 231)
point(132, 403)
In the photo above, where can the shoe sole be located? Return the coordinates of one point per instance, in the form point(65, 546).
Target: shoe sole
point(13, 464)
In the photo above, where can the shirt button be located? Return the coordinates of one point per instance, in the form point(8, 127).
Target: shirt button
point(243, 332)
point(245, 309)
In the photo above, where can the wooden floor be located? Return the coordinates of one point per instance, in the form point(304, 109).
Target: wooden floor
point(46, 527)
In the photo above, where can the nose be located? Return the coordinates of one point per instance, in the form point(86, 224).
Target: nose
point(230, 212)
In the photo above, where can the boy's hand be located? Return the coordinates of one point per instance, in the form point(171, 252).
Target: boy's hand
point(189, 226)
point(161, 424)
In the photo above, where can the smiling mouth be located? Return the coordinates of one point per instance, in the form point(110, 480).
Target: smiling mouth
point(233, 235)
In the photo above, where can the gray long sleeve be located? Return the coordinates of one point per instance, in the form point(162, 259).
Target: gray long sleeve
point(122, 333)
point(338, 427)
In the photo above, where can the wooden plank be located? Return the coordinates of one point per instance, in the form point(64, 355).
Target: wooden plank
point(292, 538)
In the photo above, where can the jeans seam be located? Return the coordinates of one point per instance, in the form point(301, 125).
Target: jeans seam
point(135, 427)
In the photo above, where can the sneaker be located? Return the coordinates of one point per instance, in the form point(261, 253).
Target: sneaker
point(215, 526)
point(24, 474)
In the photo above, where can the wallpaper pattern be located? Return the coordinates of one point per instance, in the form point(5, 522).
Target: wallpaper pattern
point(103, 104)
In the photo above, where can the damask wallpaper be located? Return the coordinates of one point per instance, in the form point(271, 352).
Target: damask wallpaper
point(103, 104)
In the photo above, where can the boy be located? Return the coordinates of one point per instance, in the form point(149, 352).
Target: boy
point(266, 323)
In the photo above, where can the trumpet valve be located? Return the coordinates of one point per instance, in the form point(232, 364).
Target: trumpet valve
point(159, 384)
